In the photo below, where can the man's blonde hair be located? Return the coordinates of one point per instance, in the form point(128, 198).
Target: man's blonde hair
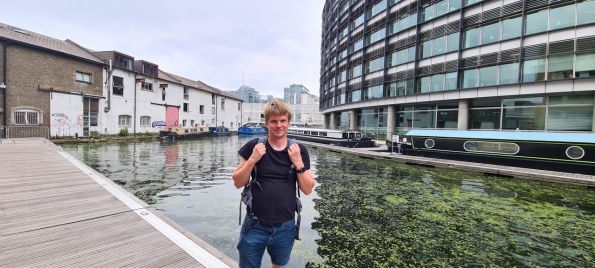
point(276, 107)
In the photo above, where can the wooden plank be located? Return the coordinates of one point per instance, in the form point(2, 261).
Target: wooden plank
point(55, 215)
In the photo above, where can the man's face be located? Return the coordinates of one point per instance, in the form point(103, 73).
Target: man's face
point(277, 125)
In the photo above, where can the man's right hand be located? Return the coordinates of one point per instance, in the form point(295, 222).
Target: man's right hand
point(257, 153)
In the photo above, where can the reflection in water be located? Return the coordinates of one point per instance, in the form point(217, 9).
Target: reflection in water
point(366, 213)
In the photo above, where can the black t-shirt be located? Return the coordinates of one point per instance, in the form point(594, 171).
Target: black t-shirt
point(276, 201)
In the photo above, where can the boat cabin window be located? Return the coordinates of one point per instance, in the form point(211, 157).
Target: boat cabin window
point(358, 135)
point(429, 143)
point(300, 132)
point(306, 132)
point(491, 147)
point(345, 136)
point(575, 152)
point(323, 134)
point(314, 133)
point(185, 130)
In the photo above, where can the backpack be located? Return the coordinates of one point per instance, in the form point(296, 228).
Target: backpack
point(246, 196)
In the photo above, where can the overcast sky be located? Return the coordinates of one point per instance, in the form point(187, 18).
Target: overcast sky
point(275, 42)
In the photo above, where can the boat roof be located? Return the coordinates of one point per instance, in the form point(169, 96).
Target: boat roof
point(320, 129)
point(507, 135)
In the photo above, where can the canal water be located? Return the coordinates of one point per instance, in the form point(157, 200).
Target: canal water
point(363, 212)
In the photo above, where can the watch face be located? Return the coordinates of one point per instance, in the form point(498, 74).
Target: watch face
point(303, 169)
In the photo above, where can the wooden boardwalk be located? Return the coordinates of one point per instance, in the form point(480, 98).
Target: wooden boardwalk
point(528, 173)
point(57, 212)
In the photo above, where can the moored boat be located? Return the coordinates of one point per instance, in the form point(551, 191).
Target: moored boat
point(252, 128)
point(345, 138)
point(219, 131)
point(185, 132)
point(564, 152)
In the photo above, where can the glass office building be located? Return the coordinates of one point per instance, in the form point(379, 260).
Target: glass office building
point(389, 66)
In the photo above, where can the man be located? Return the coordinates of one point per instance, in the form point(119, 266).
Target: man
point(270, 224)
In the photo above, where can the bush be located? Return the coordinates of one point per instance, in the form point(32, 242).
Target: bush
point(149, 134)
point(94, 133)
point(123, 132)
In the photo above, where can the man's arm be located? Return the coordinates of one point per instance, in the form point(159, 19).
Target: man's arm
point(241, 175)
point(305, 180)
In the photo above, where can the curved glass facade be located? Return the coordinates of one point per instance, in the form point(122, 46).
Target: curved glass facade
point(389, 66)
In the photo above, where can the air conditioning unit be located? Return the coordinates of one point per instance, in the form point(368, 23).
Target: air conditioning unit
point(105, 109)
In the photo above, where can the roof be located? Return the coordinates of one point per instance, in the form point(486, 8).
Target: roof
point(193, 83)
point(507, 135)
point(45, 42)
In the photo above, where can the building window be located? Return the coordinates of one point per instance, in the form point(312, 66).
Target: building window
point(585, 11)
point(509, 73)
point(570, 113)
point(83, 77)
point(355, 71)
point(213, 98)
point(471, 37)
point(26, 117)
point(145, 121)
point(202, 109)
point(123, 62)
point(536, 22)
point(585, 65)
point(149, 69)
point(185, 107)
point(186, 94)
point(239, 106)
point(184, 122)
point(534, 70)
point(147, 86)
point(469, 78)
point(212, 110)
point(124, 120)
point(511, 28)
point(118, 86)
point(488, 76)
point(223, 104)
point(374, 65)
point(91, 112)
point(562, 17)
point(560, 66)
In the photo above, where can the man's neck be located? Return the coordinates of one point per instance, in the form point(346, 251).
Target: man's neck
point(278, 144)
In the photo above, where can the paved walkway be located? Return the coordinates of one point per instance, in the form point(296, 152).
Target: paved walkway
point(57, 212)
point(382, 153)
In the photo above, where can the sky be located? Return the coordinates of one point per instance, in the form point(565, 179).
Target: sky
point(265, 44)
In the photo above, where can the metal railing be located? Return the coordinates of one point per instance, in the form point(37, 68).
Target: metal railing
point(15, 132)
point(3, 133)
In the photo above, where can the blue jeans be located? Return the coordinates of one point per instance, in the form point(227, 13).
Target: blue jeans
point(256, 236)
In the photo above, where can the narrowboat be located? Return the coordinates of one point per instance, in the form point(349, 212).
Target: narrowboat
point(185, 132)
point(345, 138)
point(219, 131)
point(554, 151)
point(253, 128)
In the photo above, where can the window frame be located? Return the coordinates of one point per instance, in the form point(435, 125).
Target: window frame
point(26, 117)
point(83, 76)
point(145, 118)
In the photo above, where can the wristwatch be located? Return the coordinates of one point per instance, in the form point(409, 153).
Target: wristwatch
point(301, 170)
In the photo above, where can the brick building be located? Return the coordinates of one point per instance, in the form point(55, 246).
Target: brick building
point(51, 85)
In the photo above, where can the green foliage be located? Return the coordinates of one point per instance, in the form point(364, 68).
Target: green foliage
point(149, 134)
point(94, 133)
point(123, 132)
